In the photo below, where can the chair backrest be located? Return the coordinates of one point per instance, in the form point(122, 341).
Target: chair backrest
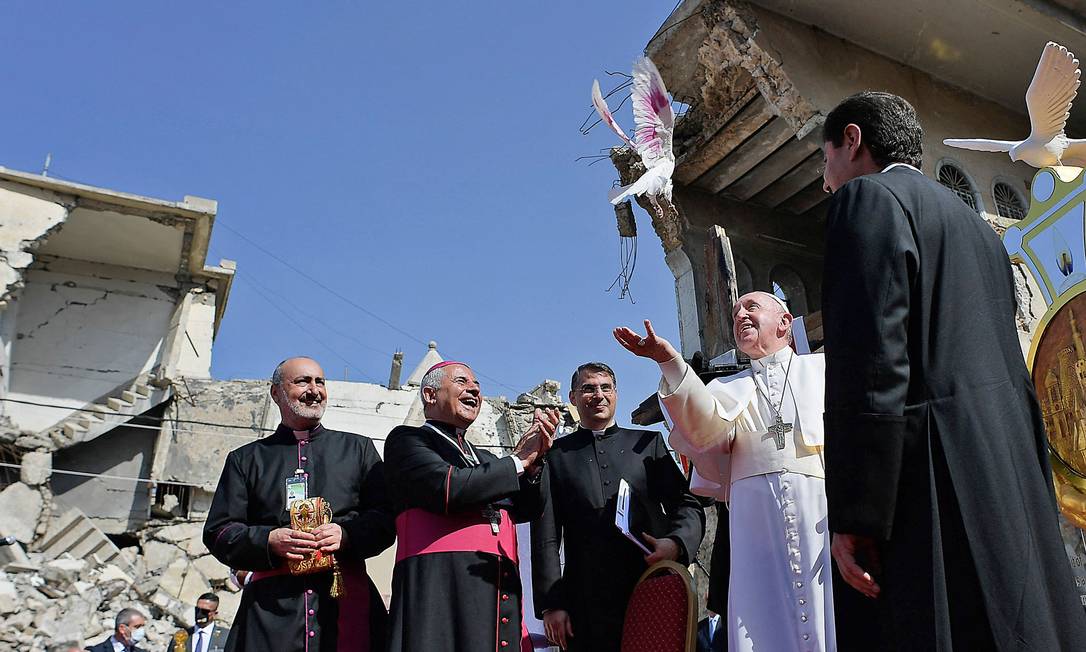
point(662, 613)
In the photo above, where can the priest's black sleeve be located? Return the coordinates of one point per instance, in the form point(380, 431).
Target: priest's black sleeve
point(369, 528)
point(686, 518)
point(226, 534)
point(870, 266)
point(547, 583)
point(421, 478)
point(528, 501)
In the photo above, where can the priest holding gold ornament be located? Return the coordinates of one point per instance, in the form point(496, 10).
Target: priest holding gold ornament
point(303, 508)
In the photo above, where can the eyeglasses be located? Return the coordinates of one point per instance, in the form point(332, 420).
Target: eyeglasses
point(589, 390)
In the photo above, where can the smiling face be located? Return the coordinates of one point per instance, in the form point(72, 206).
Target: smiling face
point(300, 394)
point(595, 397)
point(457, 398)
point(759, 324)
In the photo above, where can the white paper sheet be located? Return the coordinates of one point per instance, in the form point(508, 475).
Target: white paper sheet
point(622, 514)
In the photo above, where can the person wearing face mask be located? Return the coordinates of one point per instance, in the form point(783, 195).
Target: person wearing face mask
point(248, 526)
point(207, 635)
point(128, 632)
point(456, 583)
point(584, 604)
point(756, 441)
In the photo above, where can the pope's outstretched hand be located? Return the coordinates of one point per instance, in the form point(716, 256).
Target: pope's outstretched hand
point(650, 346)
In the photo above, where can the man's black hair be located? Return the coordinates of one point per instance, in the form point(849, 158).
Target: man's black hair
point(888, 126)
point(210, 597)
point(593, 368)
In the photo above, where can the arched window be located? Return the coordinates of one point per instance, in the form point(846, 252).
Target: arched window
point(778, 291)
point(952, 177)
point(743, 280)
point(790, 288)
point(1008, 202)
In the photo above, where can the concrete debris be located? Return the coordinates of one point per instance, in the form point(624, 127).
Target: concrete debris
point(182, 533)
point(47, 601)
point(37, 467)
point(20, 506)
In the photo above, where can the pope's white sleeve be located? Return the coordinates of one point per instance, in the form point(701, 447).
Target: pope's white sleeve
point(701, 419)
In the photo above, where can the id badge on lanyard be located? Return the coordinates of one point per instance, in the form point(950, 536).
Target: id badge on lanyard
point(297, 487)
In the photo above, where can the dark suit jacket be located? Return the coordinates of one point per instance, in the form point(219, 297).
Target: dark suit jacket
point(934, 437)
point(219, 635)
point(106, 646)
point(719, 642)
point(581, 479)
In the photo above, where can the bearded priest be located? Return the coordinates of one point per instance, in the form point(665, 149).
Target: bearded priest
point(755, 439)
point(456, 584)
point(249, 526)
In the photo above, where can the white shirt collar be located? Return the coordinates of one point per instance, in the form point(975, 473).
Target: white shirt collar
point(896, 165)
point(780, 357)
point(600, 431)
point(206, 629)
point(117, 645)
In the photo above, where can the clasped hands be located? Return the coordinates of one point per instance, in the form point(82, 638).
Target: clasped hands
point(295, 544)
point(537, 441)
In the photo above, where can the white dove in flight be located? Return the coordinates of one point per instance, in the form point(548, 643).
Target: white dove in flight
point(654, 123)
point(1048, 101)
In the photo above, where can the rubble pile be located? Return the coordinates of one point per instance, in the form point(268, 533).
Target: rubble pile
point(50, 601)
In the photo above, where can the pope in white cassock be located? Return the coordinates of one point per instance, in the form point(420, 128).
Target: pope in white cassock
point(756, 441)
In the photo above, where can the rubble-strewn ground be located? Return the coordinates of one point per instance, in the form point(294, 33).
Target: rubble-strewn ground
point(45, 602)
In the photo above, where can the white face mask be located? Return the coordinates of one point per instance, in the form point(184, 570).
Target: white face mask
point(138, 634)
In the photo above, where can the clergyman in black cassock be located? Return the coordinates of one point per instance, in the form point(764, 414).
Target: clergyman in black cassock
point(248, 527)
point(940, 492)
point(456, 583)
point(584, 604)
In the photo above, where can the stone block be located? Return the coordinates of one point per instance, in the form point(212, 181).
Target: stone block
point(63, 571)
point(9, 597)
point(194, 586)
point(37, 467)
point(158, 555)
point(20, 506)
point(195, 547)
point(173, 578)
point(110, 573)
point(180, 533)
point(212, 569)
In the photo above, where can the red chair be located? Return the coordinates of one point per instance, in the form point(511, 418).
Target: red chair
point(662, 615)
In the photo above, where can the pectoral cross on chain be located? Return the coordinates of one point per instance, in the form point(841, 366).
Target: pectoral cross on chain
point(779, 430)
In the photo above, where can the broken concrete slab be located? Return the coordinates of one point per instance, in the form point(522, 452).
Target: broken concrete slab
point(37, 467)
point(180, 533)
point(212, 569)
point(20, 506)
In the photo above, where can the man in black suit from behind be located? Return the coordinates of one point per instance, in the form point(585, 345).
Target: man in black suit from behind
point(937, 472)
point(128, 630)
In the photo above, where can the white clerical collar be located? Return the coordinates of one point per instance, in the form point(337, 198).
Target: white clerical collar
point(597, 433)
point(780, 357)
point(896, 165)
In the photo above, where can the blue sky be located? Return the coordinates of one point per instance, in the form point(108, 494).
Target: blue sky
point(416, 160)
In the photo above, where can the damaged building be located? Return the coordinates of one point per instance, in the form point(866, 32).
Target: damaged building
point(757, 80)
point(112, 431)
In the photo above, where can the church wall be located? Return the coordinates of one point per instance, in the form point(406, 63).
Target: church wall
point(82, 330)
point(825, 69)
point(116, 506)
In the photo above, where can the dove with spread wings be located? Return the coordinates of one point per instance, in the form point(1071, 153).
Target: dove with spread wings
point(654, 123)
point(1048, 101)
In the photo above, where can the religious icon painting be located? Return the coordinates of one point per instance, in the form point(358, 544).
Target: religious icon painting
point(1051, 243)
